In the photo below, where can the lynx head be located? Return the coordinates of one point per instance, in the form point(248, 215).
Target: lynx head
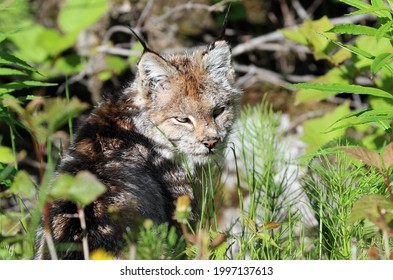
point(188, 100)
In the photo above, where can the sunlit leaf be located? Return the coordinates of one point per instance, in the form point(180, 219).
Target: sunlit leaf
point(76, 15)
point(6, 155)
point(6, 58)
point(82, 189)
point(353, 29)
point(342, 88)
point(13, 72)
point(23, 185)
point(315, 129)
point(381, 61)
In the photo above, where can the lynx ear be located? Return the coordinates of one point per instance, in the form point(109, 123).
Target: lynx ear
point(218, 61)
point(154, 71)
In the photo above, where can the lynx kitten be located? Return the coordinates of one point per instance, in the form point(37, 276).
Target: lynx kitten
point(177, 112)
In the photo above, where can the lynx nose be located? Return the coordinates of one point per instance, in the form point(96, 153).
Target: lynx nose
point(210, 143)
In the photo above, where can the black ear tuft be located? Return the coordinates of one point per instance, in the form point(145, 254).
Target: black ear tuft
point(143, 43)
point(221, 37)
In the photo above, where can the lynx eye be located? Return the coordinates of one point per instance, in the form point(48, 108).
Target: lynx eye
point(182, 120)
point(218, 111)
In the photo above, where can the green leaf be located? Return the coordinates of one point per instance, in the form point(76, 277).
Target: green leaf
point(86, 188)
point(23, 185)
point(335, 76)
point(295, 36)
point(343, 88)
point(354, 29)
point(315, 129)
point(11, 72)
point(54, 43)
point(10, 87)
point(383, 30)
point(381, 61)
point(76, 15)
point(28, 45)
point(381, 4)
point(82, 189)
point(6, 58)
point(6, 155)
point(381, 117)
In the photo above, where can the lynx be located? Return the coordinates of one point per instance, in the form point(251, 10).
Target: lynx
point(143, 145)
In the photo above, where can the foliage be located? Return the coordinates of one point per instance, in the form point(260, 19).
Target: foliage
point(367, 55)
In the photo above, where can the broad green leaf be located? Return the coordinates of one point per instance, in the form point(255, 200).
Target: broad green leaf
point(54, 43)
point(23, 185)
point(340, 56)
point(381, 61)
point(86, 188)
point(295, 36)
point(321, 44)
point(82, 189)
point(368, 157)
point(387, 156)
point(315, 129)
point(114, 65)
point(28, 45)
point(6, 155)
point(67, 65)
point(60, 187)
point(76, 15)
point(372, 207)
point(342, 88)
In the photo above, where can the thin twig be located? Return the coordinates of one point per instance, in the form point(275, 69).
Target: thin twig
point(302, 13)
point(145, 12)
point(85, 245)
point(180, 8)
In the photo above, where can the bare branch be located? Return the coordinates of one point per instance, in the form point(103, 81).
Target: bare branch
point(180, 8)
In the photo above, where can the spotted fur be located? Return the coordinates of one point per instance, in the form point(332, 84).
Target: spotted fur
point(177, 112)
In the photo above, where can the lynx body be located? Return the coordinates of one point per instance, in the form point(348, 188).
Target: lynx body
point(143, 145)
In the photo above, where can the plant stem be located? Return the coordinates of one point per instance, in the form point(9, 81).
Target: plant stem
point(386, 176)
point(47, 232)
point(85, 245)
